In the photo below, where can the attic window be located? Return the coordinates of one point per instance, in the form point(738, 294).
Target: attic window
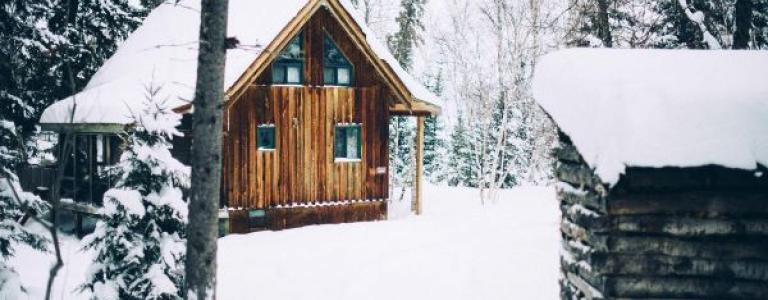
point(289, 66)
point(336, 68)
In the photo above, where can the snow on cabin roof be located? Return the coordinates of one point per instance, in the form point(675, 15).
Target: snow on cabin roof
point(162, 53)
point(658, 108)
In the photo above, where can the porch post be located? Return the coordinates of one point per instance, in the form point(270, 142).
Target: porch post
point(417, 180)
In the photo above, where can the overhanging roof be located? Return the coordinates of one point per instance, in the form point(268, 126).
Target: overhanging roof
point(162, 55)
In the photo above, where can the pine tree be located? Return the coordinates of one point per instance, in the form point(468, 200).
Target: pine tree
point(402, 132)
point(140, 242)
point(735, 24)
point(434, 146)
point(461, 162)
point(51, 48)
point(13, 204)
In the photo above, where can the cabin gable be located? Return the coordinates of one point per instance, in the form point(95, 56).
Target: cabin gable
point(304, 143)
point(330, 17)
point(320, 26)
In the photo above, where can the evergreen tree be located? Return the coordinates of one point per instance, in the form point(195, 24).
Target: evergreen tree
point(402, 132)
point(51, 48)
point(408, 36)
point(434, 146)
point(13, 203)
point(434, 150)
point(735, 24)
point(461, 162)
point(140, 242)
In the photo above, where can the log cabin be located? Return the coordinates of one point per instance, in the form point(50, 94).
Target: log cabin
point(662, 172)
point(310, 92)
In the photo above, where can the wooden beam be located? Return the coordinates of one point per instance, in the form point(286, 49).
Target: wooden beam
point(83, 128)
point(417, 181)
point(417, 108)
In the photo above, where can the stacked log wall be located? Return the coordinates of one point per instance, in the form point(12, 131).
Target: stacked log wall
point(662, 233)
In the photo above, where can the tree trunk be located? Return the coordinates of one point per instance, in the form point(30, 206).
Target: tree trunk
point(206, 152)
point(743, 16)
point(603, 23)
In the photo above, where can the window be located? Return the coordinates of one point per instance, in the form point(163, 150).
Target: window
point(289, 66)
point(266, 137)
point(336, 68)
point(348, 142)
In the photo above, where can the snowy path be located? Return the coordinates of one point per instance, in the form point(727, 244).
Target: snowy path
point(458, 250)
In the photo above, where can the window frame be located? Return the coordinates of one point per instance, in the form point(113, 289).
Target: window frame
point(335, 67)
point(273, 129)
point(346, 127)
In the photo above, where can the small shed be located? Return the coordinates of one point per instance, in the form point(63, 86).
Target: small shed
point(663, 185)
point(309, 94)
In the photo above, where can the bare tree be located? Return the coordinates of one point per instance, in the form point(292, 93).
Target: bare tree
point(206, 152)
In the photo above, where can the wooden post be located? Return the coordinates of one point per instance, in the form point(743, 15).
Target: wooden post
point(417, 180)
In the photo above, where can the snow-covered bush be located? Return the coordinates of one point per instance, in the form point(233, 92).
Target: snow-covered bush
point(13, 203)
point(140, 242)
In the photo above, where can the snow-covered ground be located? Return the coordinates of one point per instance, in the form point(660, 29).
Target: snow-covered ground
point(457, 250)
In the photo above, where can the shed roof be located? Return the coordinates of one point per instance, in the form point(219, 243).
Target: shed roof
point(162, 53)
point(658, 108)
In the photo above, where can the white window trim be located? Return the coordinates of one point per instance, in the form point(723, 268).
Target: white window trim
point(347, 160)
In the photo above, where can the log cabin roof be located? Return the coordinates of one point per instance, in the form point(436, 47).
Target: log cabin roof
point(658, 108)
point(160, 58)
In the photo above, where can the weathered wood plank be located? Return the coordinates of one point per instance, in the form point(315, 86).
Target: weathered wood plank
point(683, 287)
point(685, 179)
point(664, 265)
point(567, 152)
point(578, 175)
point(738, 203)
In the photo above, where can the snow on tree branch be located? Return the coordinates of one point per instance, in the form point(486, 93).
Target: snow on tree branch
point(698, 19)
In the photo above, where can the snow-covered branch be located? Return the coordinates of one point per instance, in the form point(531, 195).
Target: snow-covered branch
point(698, 19)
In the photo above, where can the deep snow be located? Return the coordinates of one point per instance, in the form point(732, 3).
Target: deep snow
point(457, 250)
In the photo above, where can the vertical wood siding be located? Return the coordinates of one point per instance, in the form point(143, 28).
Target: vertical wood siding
point(302, 169)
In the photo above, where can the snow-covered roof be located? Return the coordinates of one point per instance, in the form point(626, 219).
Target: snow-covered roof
point(163, 53)
point(658, 108)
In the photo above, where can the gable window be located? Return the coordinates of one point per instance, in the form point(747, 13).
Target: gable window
point(266, 137)
point(336, 68)
point(348, 142)
point(288, 68)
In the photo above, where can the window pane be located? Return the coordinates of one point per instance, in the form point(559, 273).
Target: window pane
point(99, 148)
point(294, 74)
point(337, 69)
point(278, 74)
point(294, 50)
point(353, 142)
point(329, 76)
point(341, 137)
point(343, 76)
point(266, 137)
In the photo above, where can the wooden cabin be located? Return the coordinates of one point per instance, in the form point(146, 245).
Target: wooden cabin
point(661, 197)
point(310, 92)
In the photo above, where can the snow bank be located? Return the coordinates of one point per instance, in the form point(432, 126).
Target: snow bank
point(457, 250)
point(658, 108)
point(163, 53)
